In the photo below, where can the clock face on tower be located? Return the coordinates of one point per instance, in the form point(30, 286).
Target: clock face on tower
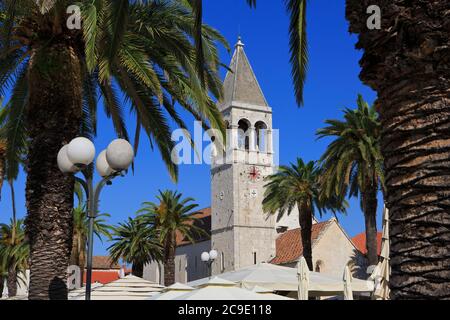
point(254, 174)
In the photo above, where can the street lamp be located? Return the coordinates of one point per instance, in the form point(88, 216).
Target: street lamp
point(77, 156)
point(208, 258)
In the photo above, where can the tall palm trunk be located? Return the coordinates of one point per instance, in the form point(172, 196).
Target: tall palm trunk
point(12, 272)
point(13, 202)
point(406, 62)
point(82, 260)
point(2, 165)
point(2, 285)
point(137, 269)
point(12, 282)
point(369, 206)
point(169, 261)
point(54, 114)
point(305, 220)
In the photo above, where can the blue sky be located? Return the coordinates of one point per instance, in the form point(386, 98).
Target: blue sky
point(332, 84)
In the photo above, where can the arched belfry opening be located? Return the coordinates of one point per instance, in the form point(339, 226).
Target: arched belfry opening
point(261, 136)
point(244, 134)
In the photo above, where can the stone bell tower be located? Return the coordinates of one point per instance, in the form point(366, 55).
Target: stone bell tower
point(241, 233)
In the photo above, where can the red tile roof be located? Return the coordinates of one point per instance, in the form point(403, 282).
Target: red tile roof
point(203, 221)
point(289, 244)
point(360, 242)
point(103, 263)
point(102, 276)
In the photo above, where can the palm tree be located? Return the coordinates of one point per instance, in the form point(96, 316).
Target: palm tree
point(353, 164)
point(297, 185)
point(171, 216)
point(136, 243)
point(297, 34)
point(406, 63)
point(141, 50)
point(80, 235)
point(14, 252)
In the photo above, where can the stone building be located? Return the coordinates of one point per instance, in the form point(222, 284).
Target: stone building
point(239, 230)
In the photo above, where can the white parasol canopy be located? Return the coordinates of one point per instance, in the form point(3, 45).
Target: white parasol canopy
point(221, 289)
point(267, 292)
point(128, 288)
point(303, 279)
point(172, 292)
point(278, 278)
point(348, 293)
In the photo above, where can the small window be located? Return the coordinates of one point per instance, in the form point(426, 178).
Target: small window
point(254, 257)
point(243, 134)
point(222, 262)
point(261, 136)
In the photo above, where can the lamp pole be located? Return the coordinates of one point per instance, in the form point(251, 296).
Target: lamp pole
point(112, 162)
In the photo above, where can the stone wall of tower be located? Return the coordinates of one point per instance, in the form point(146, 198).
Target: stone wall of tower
point(241, 233)
point(222, 217)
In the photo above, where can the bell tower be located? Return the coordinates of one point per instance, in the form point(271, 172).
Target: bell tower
point(241, 233)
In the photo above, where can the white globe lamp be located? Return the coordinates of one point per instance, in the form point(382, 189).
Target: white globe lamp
point(103, 168)
point(119, 154)
point(81, 151)
point(64, 164)
point(213, 254)
point(205, 256)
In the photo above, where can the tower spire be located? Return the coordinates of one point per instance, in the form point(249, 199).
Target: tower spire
point(240, 83)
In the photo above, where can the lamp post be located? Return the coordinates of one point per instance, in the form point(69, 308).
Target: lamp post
point(77, 156)
point(209, 258)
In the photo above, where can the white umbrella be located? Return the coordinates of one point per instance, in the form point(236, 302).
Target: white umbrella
point(82, 291)
point(128, 288)
point(278, 278)
point(221, 289)
point(348, 293)
point(381, 273)
point(267, 292)
point(303, 279)
point(172, 292)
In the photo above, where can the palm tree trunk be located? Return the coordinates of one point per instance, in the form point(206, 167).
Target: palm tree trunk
point(2, 285)
point(137, 269)
point(74, 254)
point(12, 282)
point(54, 114)
point(305, 220)
point(369, 199)
point(406, 62)
point(13, 202)
point(169, 261)
point(82, 261)
point(2, 165)
point(417, 153)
